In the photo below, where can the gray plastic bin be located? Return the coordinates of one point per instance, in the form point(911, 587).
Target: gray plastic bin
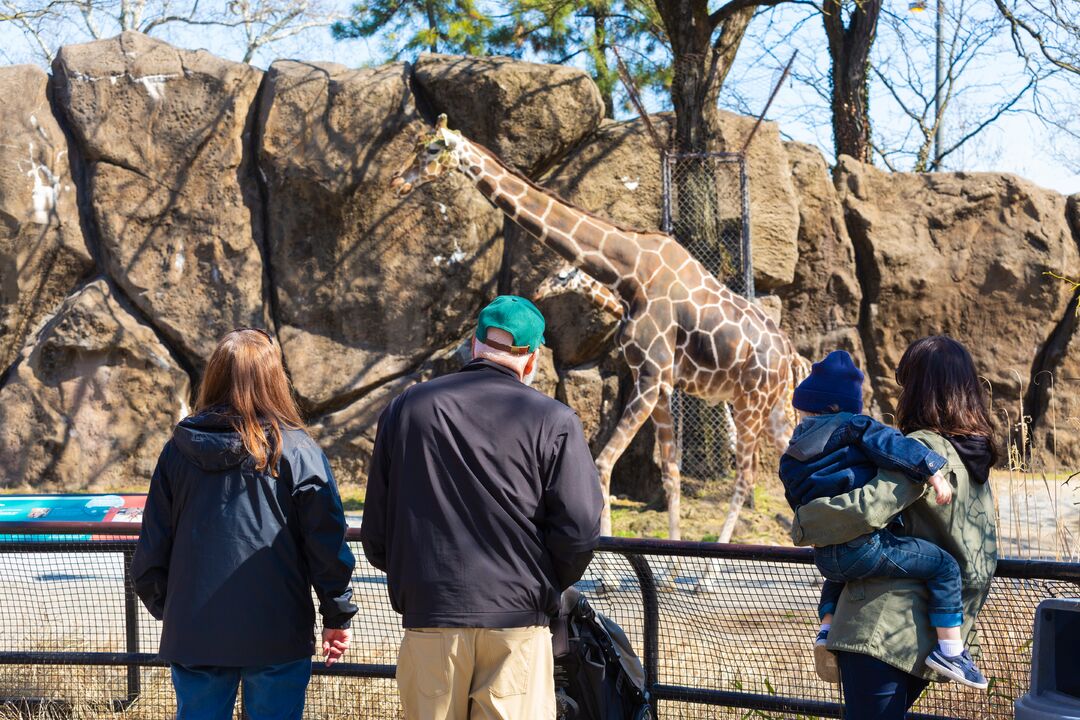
point(1055, 666)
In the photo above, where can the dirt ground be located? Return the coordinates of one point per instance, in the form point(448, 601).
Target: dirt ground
point(704, 505)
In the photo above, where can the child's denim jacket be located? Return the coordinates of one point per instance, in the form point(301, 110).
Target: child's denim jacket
point(830, 455)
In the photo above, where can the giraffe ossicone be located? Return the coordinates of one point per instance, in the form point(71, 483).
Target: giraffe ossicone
point(682, 328)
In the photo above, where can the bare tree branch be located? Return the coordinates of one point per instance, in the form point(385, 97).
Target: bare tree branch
point(1018, 26)
point(47, 24)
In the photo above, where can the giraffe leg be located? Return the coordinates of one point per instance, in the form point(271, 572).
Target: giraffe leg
point(666, 570)
point(669, 461)
point(749, 418)
point(634, 415)
point(779, 425)
point(733, 442)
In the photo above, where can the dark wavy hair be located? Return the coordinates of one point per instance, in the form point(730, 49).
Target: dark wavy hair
point(940, 391)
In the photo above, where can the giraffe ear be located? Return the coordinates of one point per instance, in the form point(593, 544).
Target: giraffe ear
point(440, 124)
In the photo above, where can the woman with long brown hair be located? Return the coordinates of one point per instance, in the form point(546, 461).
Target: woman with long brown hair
point(242, 519)
point(880, 630)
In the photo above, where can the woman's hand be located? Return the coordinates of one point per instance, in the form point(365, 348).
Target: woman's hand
point(334, 644)
point(942, 488)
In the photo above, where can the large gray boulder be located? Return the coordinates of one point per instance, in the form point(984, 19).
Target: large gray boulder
point(42, 251)
point(1053, 397)
point(962, 254)
point(164, 133)
point(821, 305)
point(347, 436)
point(527, 114)
point(367, 285)
point(91, 402)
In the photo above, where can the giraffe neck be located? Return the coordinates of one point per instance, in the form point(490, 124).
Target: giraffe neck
point(590, 243)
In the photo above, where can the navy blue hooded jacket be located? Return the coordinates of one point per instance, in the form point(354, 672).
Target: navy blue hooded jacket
point(830, 455)
point(227, 555)
point(482, 504)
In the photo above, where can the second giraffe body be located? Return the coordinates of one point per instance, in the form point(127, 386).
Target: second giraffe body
point(682, 327)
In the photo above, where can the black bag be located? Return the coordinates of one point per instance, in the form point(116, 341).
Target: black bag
point(597, 674)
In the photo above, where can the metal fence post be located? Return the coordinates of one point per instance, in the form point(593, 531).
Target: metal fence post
point(665, 190)
point(651, 625)
point(131, 626)
point(748, 263)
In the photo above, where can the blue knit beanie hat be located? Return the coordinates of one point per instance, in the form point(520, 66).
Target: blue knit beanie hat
point(835, 381)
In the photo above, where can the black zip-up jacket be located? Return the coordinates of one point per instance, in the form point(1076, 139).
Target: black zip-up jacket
point(482, 503)
point(227, 555)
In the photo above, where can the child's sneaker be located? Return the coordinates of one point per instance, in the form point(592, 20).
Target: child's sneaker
point(825, 660)
point(960, 668)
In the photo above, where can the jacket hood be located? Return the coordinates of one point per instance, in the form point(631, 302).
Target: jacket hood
point(812, 434)
point(209, 440)
point(974, 452)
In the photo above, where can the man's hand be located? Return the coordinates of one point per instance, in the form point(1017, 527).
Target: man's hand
point(942, 488)
point(334, 644)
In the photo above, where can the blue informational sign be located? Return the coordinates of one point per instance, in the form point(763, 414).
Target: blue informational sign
point(71, 508)
point(68, 508)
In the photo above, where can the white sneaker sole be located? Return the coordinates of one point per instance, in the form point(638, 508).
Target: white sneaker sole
point(952, 674)
point(825, 664)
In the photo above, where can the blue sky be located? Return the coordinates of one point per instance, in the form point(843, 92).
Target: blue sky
point(1017, 143)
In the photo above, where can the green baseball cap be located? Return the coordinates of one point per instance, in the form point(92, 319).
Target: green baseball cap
point(517, 316)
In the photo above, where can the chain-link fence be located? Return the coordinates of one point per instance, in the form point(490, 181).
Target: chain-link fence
point(706, 207)
point(75, 643)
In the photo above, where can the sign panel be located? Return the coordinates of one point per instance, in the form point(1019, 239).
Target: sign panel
point(71, 508)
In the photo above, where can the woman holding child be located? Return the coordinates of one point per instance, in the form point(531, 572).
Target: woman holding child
point(881, 627)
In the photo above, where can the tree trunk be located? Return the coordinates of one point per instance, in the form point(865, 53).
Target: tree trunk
point(604, 77)
point(690, 32)
point(849, 50)
point(433, 25)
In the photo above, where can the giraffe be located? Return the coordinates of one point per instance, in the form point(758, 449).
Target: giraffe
point(682, 328)
point(571, 278)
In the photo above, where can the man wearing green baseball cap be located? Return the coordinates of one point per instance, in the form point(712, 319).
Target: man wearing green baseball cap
point(510, 332)
point(482, 506)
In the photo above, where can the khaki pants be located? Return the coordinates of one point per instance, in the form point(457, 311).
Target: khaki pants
point(477, 674)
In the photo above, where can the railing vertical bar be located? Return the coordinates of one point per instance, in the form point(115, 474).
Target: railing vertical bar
point(665, 191)
point(651, 623)
point(748, 264)
point(131, 626)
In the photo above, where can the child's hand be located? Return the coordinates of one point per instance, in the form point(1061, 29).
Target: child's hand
point(942, 488)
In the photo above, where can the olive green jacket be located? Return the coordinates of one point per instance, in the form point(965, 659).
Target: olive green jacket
point(888, 618)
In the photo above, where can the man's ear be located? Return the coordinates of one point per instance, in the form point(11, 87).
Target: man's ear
point(531, 365)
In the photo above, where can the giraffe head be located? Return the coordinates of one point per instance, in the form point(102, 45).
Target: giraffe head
point(568, 277)
point(436, 154)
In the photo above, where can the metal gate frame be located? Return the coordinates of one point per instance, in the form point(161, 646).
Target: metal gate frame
point(716, 419)
point(667, 159)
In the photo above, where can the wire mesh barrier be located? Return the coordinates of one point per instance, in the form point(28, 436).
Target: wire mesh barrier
point(75, 642)
point(706, 207)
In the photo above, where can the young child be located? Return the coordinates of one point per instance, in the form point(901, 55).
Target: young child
point(836, 449)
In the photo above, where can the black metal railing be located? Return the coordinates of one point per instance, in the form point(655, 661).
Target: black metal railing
point(73, 635)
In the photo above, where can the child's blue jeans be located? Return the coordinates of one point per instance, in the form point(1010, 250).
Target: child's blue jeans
point(882, 554)
point(271, 692)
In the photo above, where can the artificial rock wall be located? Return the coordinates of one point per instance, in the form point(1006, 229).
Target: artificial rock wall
point(152, 198)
